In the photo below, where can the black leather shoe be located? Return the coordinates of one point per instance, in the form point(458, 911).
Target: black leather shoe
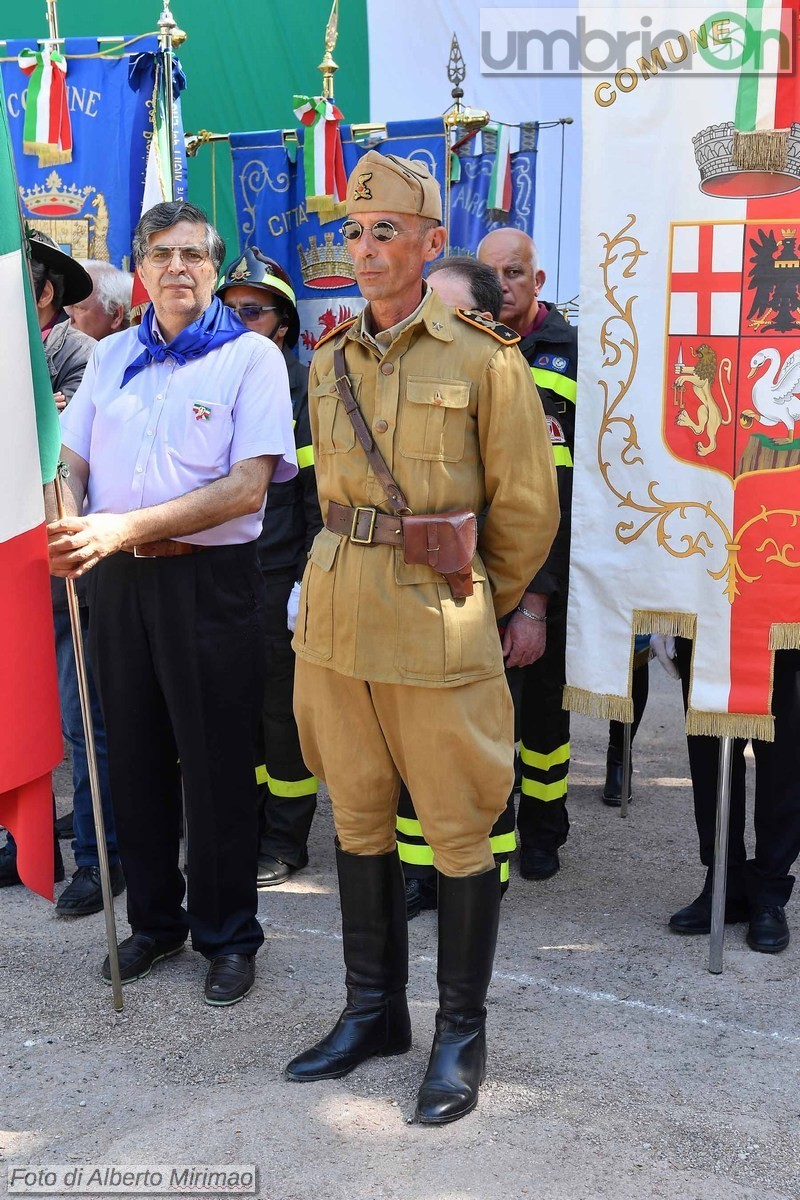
point(272, 871)
point(85, 895)
point(420, 894)
point(695, 918)
point(230, 978)
point(456, 1069)
point(137, 955)
point(9, 876)
point(768, 931)
point(64, 828)
point(538, 864)
point(372, 1025)
point(8, 866)
point(612, 792)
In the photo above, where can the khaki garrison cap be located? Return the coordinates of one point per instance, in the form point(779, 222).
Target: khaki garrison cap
point(386, 183)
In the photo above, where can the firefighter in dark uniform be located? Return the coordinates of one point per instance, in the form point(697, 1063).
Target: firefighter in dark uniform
point(538, 629)
point(261, 293)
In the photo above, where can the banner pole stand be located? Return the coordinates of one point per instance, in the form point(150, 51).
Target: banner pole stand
point(626, 767)
point(720, 856)
point(91, 758)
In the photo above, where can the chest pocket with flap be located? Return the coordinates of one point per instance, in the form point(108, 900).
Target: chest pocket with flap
point(433, 419)
point(335, 430)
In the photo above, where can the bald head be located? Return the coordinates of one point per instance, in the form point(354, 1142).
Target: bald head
point(512, 254)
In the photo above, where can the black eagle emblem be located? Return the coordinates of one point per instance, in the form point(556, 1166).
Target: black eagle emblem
point(775, 281)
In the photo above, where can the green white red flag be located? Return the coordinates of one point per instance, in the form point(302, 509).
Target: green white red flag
point(499, 199)
point(31, 743)
point(47, 130)
point(323, 159)
point(158, 185)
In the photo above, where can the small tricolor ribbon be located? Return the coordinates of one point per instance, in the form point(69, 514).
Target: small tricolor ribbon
point(499, 199)
point(323, 159)
point(47, 130)
point(201, 413)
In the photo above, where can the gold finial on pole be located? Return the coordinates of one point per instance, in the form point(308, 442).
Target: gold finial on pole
point(328, 67)
point(52, 21)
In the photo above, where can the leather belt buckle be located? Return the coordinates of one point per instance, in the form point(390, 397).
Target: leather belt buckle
point(137, 553)
point(371, 514)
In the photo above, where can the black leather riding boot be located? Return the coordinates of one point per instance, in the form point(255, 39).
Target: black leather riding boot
point(375, 1020)
point(469, 911)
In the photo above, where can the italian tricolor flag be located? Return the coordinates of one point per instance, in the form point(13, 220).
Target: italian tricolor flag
point(30, 745)
point(47, 131)
point(323, 158)
point(158, 174)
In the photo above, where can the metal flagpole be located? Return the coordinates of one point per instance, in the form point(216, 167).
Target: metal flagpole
point(52, 21)
point(94, 778)
point(721, 856)
point(626, 767)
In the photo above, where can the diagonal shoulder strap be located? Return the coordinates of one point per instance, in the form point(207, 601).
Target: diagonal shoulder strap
point(397, 500)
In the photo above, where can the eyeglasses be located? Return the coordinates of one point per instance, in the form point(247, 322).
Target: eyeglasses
point(251, 312)
point(190, 256)
point(382, 231)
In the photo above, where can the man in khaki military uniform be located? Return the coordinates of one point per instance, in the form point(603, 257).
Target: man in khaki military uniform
point(395, 677)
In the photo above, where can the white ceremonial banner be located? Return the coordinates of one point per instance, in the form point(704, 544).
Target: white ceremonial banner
point(687, 469)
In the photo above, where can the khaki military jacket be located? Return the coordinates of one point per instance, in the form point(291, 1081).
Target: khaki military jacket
point(455, 414)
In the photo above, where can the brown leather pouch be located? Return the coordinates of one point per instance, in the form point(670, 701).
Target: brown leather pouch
point(446, 542)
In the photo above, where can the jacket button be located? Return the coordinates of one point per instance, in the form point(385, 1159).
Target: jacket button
point(381, 426)
point(387, 368)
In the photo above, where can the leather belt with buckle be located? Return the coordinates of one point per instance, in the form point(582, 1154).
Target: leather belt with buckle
point(165, 549)
point(364, 526)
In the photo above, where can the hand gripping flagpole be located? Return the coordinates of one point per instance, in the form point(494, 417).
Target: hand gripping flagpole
point(720, 856)
point(94, 779)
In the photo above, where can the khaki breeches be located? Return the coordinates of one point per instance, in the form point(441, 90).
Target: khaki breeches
point(453, 747)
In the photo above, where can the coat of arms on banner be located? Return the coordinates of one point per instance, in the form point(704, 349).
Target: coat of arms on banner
point(732, 371)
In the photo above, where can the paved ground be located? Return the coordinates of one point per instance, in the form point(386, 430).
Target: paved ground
point(619, 1067)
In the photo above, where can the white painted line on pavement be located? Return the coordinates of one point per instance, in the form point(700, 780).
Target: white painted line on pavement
point(656, 1010)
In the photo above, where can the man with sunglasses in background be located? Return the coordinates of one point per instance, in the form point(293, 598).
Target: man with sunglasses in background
point(171, 440)
point(399, 671)
point(260, 292)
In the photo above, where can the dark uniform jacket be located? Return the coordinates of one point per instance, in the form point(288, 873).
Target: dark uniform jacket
point(292, 518)
point(552, 354)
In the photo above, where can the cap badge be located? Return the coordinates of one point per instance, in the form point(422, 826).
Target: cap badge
point(362, 191)
point(240, 271)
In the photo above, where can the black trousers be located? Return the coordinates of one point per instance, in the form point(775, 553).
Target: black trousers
point(764, 879)
point(288, 793)
point(542, 818)
point(177, 649)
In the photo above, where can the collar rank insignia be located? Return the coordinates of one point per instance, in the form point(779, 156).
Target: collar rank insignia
point(361, 191)
point(201, 412)
point(493, 328)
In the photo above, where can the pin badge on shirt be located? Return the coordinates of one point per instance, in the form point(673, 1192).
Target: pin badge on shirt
point(201, 412)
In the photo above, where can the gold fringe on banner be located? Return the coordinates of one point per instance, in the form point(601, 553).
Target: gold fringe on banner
point(761, 150)
point(741, 725)
point(326, 206)
point(49, 156)
point(594, 704)
point(785, 637)
point(671, 624)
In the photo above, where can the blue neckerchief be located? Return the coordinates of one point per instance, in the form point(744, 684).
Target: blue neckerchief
point(215, 327)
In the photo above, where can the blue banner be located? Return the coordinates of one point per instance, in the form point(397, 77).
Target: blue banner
point(90, 205)
point(269, 193)
point(470, 220)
